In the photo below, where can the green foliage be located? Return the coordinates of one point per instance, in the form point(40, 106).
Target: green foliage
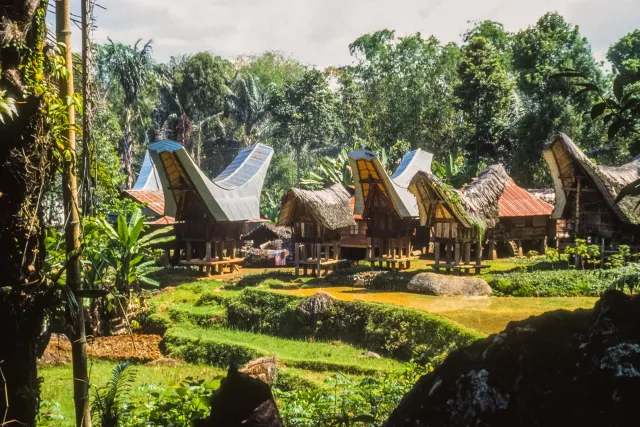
point(347, 402)
point(556, 283)
point(177, 406)
point(484, 95)
point(395, 331)
point(7, 106)
point(108, 402)
point(50, 414)
point(127, 248)
point(624, 56)
point(330, 171)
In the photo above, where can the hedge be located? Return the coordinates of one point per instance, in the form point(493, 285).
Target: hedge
point(395, 331)
point(219, 347)
point(555, 283)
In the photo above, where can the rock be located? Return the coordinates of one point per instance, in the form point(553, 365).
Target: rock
point(164, 361)
point(263, 368)
point(369, 355)
point(242, 401)
point(561, 368)
point(440, 284)
point(316, 307)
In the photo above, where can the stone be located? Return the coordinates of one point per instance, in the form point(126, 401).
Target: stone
point(263, 368)
point(442, 285)
point(561, 368)
point(316, 307)
point(369, 355)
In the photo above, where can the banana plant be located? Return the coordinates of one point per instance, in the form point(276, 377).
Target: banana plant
point(128, 251)
point(330, 171)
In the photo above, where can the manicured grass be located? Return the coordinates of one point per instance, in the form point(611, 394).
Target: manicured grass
point(217, 345)
point(57, 385)
point(485, 314)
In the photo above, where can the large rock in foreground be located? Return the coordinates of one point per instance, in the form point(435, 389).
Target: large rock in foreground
point(562, 368)
point(439, 284)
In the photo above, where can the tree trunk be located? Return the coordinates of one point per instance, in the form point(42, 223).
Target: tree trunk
point(72, 226)
point(127, 147)
point(25, 169)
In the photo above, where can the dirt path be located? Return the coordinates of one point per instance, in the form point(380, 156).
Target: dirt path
point(134, 347)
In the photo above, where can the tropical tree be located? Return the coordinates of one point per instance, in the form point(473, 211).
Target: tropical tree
point(540, 51)
point(130, 67)
point(330, 170)
point(32, 141)
point(248, 104)
point(484, 95)
point(624, 56)
point(305, 114)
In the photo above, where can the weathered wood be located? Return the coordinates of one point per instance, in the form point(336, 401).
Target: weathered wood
point(456, 257)
point(436, 252)
point(187, 250)
point(297, 257)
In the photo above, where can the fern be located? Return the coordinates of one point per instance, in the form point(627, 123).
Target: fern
point(107, 404)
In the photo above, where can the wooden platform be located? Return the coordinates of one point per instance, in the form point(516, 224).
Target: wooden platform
point(398, 263)
point(317, 267)
point(215, 266)
point(457, 268)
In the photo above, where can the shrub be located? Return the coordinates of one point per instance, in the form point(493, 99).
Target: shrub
point(347, 402)
point(395, 331)
point(556, 283)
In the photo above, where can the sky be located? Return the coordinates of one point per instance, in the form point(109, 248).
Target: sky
point(318, 32)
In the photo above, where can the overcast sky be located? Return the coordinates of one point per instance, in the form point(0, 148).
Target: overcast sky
point(318, 32)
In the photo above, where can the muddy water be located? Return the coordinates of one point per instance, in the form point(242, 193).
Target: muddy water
point(486, 314)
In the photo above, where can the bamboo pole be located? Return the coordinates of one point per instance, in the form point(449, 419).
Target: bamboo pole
point(72, 226)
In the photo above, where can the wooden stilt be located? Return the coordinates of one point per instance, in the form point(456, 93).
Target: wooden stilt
point(478, 256)
point(543, 245)
point(436, 254)
point(318, 259)
point(519, 243)
point(297, 258)
point(187, 250)
point(492, 250)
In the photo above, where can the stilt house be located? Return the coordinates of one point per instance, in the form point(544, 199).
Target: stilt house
point(586, 192)
point(317, 219)
point(390, 210)
point(525, 223)
point(459, 220)
point(210, 214)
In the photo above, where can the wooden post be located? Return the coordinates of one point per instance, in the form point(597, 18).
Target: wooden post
point(456, 259)
point(478, 256)
point(207, 250)
point(492, 250)
point(220, 245)
point(326, 251)
point(467, 256)
point(297, 258)
point(519, 243)
point(369, 248)
point(232, 254)
point(318, 259)
point(336, 250)
point(436, 254)
point(187, 250)
point(577, 213)
point(543, 245)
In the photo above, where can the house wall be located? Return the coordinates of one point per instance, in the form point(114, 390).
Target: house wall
point(358, 240)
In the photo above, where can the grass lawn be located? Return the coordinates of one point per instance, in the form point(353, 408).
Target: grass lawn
point(308, 355)
point(485, 314)
point(57, 385)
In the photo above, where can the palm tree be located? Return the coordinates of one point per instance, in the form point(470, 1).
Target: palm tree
point(247, 104)
point(131, 66)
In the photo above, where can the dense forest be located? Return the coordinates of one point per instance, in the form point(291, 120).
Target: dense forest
point(496, 97)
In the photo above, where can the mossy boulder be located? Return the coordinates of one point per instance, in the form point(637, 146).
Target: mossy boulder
point(441, 285)
point(561, 368)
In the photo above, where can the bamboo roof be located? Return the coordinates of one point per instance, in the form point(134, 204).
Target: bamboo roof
point(328, 207)
point(233, 196)
point(269, 231)
point(567, 161)
point(477, 203)
point(368, 170)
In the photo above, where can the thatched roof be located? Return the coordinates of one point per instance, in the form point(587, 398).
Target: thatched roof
point(268, 231)
point(566, 160)
point(366, 167)
point(328, 207)
point(547, 195)
point(476, 204)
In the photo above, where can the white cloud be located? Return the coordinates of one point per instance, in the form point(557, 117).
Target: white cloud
point(319, 31)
